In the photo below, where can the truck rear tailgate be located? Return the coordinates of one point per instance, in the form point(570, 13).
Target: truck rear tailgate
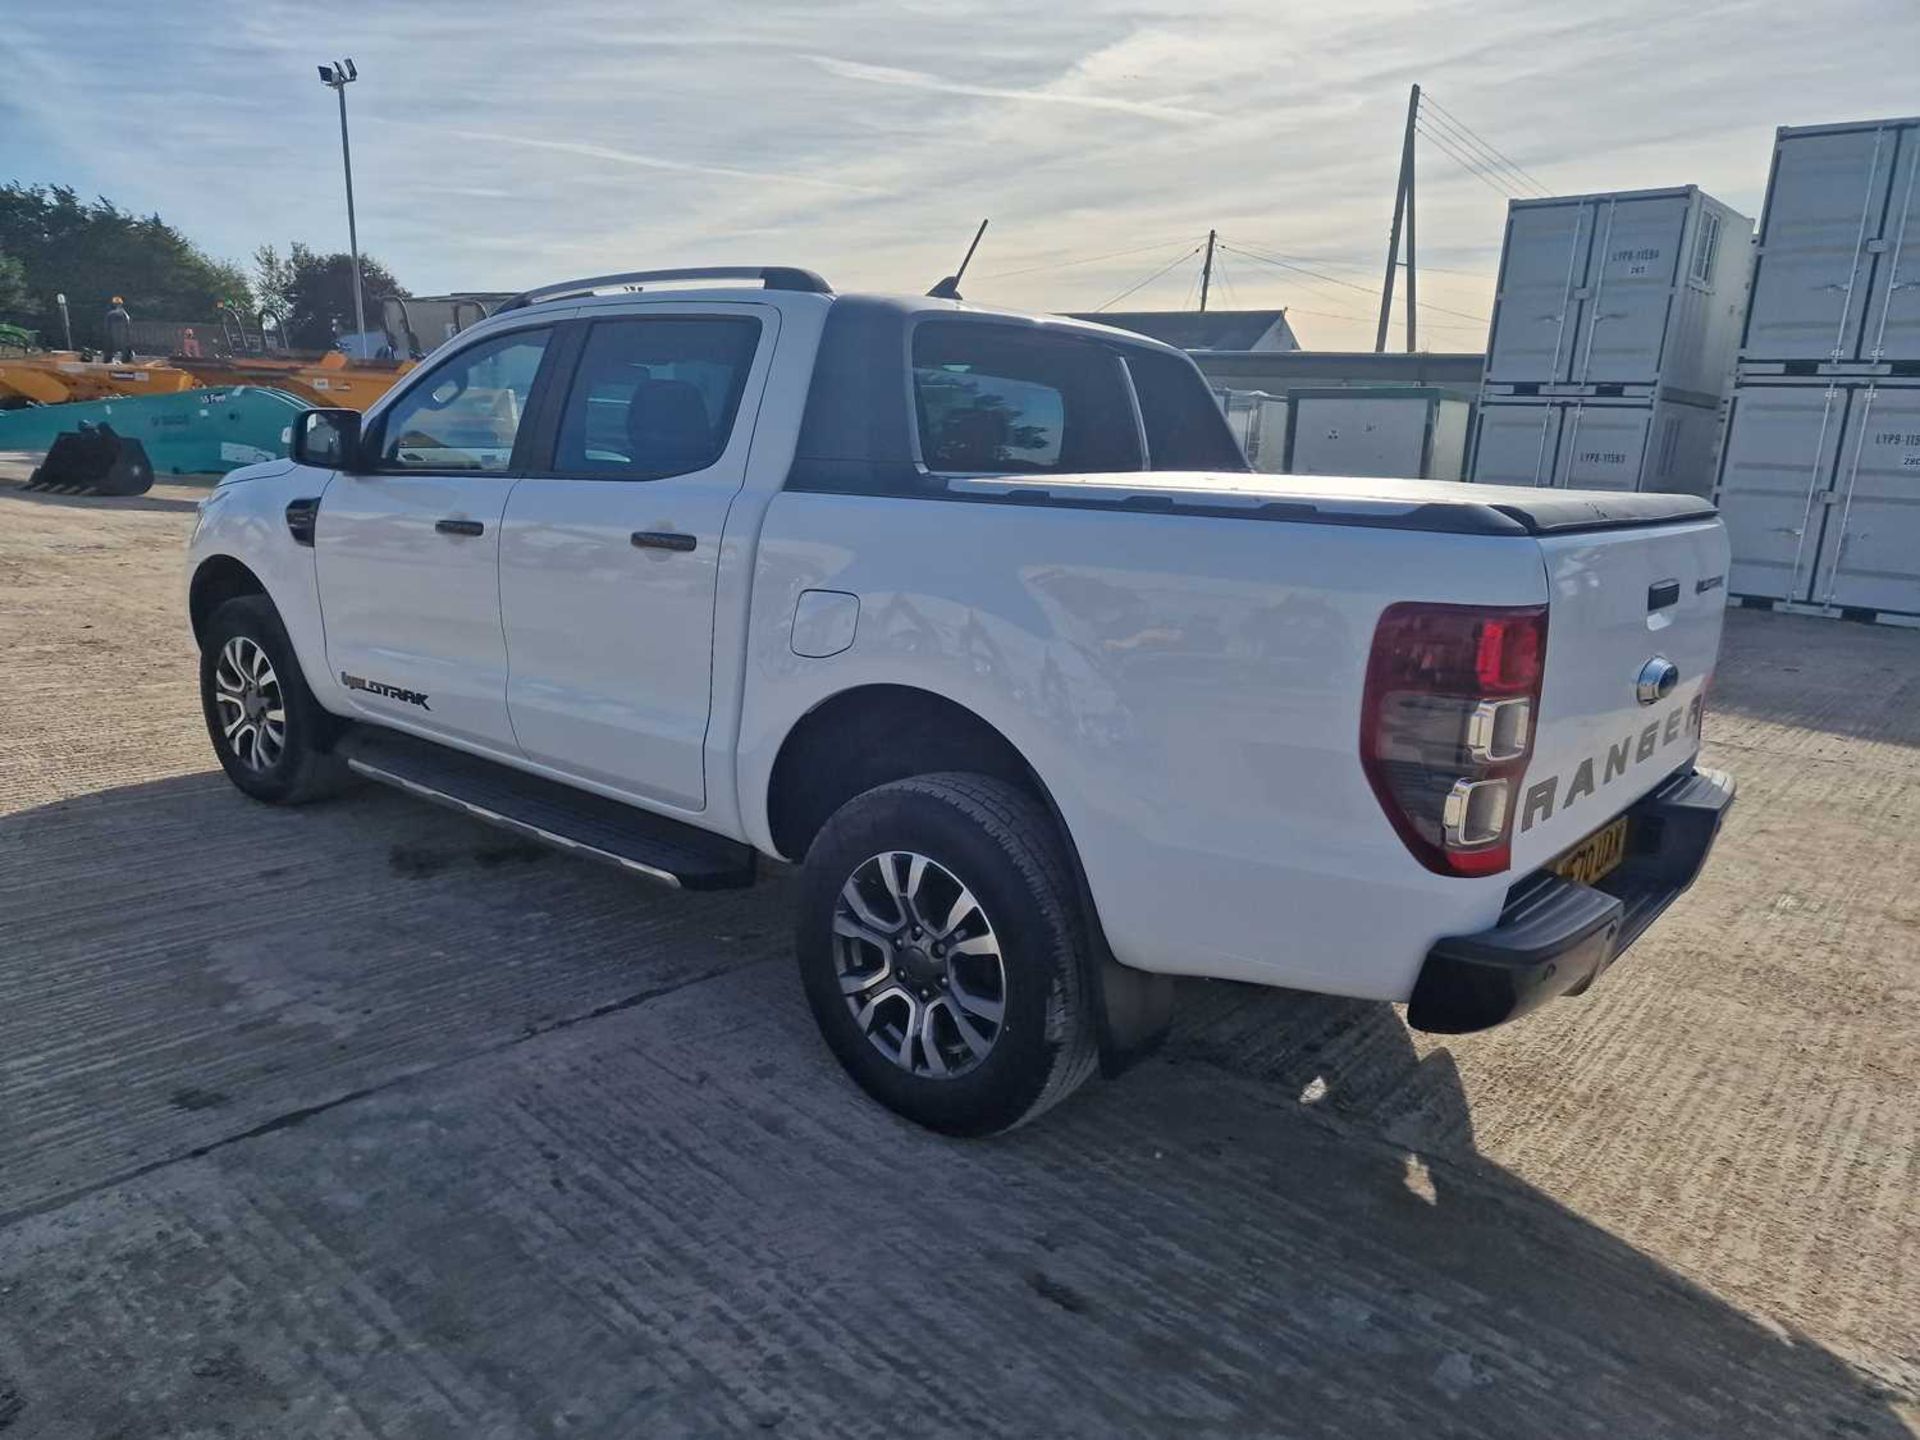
point(1620, 602)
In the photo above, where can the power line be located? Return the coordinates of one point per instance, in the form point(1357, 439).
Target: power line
point(1087, 260)
point(1370, 294)
point(1301, 269)
point(1188, 255)
point(1365, 269)
point(1478, 171)
point(1455, 122)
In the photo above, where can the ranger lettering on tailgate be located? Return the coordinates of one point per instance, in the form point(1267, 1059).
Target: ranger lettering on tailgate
point(1636, 747)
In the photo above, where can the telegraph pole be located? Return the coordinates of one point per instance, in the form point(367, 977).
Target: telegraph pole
point(1402, 210)
point(1206, 270)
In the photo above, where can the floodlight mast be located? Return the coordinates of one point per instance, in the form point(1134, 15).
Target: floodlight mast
point(336, 77)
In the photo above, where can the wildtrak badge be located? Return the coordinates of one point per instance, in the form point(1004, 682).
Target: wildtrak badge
point(1544, 797)
point(390, 692)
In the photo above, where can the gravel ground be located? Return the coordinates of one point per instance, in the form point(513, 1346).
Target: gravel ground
point(361, 1120)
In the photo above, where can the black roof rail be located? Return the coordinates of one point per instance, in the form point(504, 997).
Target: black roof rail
point(772, 277)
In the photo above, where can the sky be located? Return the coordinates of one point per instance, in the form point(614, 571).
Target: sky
point(498, 145)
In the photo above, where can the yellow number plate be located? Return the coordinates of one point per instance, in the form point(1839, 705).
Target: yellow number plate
point(1595, 857)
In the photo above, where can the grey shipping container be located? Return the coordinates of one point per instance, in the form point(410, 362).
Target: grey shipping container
point(1411, 432)
point(1640, 290)
point(1259, 422)
point(1597, 444)
point(1820, 487)
point(1837, 268)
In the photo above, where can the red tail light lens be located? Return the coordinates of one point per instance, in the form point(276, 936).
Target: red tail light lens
point(1446, 727)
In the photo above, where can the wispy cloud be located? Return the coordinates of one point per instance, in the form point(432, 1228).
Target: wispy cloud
point(656, 162)
point(921, 80)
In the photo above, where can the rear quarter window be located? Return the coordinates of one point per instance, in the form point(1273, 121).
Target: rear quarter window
point(997, 400)
point(1186, 429)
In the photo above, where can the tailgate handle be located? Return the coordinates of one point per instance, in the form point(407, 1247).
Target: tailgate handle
point(1662, 594)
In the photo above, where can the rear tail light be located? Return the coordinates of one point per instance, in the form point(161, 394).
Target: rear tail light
point(1446, 727)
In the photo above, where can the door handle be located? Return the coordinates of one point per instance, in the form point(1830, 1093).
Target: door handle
point(663, 540)
point(459, 527)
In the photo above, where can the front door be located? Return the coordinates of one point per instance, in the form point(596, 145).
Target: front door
point(610, 550)
point(408, 553)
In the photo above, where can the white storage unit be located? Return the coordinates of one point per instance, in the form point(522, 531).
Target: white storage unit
point(1820, 487)
point(1635, 293)
point(1597, 444)
point(1836, 277)
point(1410, 432)
point(1259, 422)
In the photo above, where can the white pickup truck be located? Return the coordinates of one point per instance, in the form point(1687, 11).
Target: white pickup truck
point(980, 618)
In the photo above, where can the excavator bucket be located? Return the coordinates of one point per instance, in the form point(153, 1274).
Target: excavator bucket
point(94, 461)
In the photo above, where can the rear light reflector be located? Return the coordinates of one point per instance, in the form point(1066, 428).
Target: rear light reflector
point(1447, 724)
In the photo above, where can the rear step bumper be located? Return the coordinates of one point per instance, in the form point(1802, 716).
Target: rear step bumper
point(1555, 936)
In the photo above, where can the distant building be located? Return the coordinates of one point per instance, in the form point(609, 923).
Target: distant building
point(1263, 330)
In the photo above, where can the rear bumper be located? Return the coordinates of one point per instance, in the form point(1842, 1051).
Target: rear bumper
point(1555, 936)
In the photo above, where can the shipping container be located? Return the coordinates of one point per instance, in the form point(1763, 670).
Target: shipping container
point(1597, 444)
point(1820, 487)
point(1836, 276)
point(1639, 293)
point(1259, 422)
point(1405, 431)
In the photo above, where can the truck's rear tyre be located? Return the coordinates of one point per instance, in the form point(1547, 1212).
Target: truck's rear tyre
point(940, 948)
point(270, 734)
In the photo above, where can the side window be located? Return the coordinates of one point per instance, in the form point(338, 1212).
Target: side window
point(654, 397)
point(996, 399)
point(1185, 429)
point(465, 414)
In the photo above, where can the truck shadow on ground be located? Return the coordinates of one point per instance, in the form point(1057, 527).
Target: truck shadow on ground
point(466, 1142)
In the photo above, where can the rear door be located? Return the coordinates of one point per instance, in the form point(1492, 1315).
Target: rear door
point(1541, 271)
point(610, 551)
point(1776, 483)
point(1597, 748)
point(1517, 444)
point(1636, 260)
point(1868, 558)
point(1603, 447)
point(1893, 300)
point(1823, 207)
point(408, 554)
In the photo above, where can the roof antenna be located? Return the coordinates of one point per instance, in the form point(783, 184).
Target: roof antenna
point(949, 288)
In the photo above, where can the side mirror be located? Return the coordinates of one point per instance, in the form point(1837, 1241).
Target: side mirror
point(327, 439)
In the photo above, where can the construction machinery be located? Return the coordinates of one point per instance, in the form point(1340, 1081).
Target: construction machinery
point(208, 430)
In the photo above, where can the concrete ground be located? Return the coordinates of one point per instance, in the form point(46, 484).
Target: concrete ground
point(361, 1120)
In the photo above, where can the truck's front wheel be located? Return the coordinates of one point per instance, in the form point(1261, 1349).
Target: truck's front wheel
point(939, 943)
point(270, 734)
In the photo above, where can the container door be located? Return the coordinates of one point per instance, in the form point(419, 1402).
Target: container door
point(1540, 269)
point(1630, 283)
point(1870, 552)
point(1781, 445)
point(1517, 444)
point(1604, 447)
point(1360, 435)
point(1810, 283)
point(1893, 302)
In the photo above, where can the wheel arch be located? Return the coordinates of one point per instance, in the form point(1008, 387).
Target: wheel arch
point(874, 734)
point(218, 579)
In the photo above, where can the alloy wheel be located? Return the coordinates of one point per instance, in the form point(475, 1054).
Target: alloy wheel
point(919, 964)
point(252, 711)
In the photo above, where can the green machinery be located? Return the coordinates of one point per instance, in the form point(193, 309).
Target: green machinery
point(195, 432)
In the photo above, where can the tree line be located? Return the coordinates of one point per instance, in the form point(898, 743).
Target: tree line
point(52, 242)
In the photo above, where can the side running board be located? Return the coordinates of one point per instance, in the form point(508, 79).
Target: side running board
point(554, 814)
